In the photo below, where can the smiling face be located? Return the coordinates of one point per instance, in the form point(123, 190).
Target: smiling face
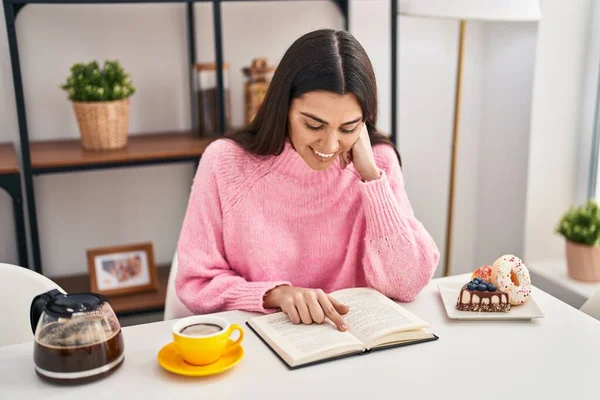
point(322, 125)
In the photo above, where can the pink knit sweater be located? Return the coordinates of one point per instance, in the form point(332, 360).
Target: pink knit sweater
point(255, 223)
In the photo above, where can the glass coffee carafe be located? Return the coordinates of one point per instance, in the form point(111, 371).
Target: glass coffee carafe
point(77, 337)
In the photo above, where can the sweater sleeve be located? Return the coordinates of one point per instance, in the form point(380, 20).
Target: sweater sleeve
point(205, 282)
point(400, 255)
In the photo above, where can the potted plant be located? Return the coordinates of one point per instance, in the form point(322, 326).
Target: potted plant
point(100, 99)
point(581, 228)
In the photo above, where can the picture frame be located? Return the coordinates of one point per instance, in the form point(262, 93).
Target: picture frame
point(122, 270)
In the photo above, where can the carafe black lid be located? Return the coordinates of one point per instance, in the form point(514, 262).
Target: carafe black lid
point(65, 305)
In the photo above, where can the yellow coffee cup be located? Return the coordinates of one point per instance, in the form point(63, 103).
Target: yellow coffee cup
point(203, 339)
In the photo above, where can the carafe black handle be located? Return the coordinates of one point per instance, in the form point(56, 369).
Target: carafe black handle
point(38, 304)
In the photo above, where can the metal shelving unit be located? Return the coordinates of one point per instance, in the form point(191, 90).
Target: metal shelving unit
point(47, 157)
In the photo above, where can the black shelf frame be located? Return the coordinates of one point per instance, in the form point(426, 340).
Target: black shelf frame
point(11, 11)
point(11, 183)
point(394, 70)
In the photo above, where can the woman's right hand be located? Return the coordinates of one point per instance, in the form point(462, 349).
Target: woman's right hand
point(307, 305)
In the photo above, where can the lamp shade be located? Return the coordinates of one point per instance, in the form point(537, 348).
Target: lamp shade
point(490, 10)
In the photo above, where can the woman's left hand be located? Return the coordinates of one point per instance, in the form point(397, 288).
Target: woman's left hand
point(361, 155)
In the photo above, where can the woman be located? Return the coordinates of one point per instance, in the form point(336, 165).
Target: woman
point(308, 199)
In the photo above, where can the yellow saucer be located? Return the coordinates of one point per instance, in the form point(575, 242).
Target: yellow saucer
point(169, 359)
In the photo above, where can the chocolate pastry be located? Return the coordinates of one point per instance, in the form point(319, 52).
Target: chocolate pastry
point(481, 295)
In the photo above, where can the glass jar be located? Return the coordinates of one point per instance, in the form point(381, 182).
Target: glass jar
point(206, 90)
point(258, 77)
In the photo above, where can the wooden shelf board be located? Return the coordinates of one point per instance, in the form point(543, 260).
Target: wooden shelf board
point(141, 148)
point(132, 303)
point(8, 159)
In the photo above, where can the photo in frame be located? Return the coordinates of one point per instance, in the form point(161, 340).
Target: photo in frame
point(122, 270)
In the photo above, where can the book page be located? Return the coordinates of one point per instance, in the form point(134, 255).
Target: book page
point(373, 315)
point(399, 337)
point(296, 343)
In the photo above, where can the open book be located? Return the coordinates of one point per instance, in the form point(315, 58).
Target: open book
point(374, 322)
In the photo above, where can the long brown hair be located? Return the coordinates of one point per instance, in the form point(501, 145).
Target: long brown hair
point(323, 60)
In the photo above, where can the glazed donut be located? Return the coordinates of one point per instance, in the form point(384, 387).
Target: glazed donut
point(510, 275)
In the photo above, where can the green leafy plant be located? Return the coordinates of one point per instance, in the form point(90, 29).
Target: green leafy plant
point(581, 224)
point(89, 82)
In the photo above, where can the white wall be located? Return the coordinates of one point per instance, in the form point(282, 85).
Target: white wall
point(494, 128)
point(591, 80)
point(8, 243)
point(427, 73)
point(504, 138)
point(526, 159)
point(556, 123)
point(92, 209)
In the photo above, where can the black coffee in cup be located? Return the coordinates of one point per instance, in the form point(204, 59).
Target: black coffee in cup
point(202, 329)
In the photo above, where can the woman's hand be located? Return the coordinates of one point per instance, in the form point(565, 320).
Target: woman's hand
point(361, 155)
point(306, 305)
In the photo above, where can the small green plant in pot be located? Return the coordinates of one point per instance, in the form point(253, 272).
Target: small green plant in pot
point(100, 98)
point(581, 228)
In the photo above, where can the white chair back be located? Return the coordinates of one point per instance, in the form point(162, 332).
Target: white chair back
point(174, 308)
point(19, 286)
point(592, 306)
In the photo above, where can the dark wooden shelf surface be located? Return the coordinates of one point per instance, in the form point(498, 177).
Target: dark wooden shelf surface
point(8, 159)
point(68, 154)
point(132, 303)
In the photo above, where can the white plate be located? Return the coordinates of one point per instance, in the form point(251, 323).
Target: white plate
point(449, 293)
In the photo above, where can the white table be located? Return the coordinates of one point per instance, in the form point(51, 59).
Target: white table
point(552, 358)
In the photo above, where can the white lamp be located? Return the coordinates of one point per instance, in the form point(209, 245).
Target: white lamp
point(483, 10)
point(463, 10)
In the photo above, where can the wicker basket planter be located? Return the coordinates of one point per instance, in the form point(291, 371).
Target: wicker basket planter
point(103, 125)
point(100, 98)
